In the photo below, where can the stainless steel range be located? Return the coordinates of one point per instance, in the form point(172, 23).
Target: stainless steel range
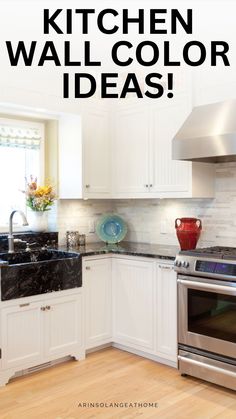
point(207, 314)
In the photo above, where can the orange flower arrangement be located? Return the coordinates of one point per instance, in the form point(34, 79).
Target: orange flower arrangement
point(39, 198)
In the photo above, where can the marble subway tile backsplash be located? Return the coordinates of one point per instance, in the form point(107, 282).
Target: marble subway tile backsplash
point(152, 221)
point(77, 215)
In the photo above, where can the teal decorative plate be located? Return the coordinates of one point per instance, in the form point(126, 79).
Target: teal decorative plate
point(111, 228)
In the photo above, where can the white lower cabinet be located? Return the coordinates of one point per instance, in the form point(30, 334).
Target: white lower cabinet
point(133, 303)
point(130, 302)
point(166, 311)
point(36, 332)
point(22, 334)
point(98, 314)
point(63, 328)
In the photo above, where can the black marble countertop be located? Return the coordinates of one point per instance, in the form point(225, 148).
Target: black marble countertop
point(41, 238)
point(127, 248)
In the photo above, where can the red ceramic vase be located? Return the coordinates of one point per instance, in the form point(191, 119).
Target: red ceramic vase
point(188, 231)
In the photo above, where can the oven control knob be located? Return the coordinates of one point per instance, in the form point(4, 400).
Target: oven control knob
point(185, 264)
point(178, 263)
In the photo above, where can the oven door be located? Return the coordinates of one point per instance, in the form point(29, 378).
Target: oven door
point(207, 315)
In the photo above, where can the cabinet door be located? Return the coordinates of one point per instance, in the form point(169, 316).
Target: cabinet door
point(166, 312)
point(96, 154)
point(130, 153)
point(22, 335)
point(168, 178)
point(70, 157)
point(63, 325)
point(133, 303)
point(97, 285)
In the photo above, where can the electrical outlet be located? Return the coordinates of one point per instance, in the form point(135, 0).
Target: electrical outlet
point(163, 228)
point(91, 226)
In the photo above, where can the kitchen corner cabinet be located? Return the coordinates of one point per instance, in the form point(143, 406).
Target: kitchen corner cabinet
point(133, 303)
point(166, 311)
point(36, 331)
point(96, 154)
point(97, 285)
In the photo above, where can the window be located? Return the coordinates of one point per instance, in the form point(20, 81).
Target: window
point(21, 155)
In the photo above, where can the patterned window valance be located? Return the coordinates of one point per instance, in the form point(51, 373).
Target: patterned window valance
point(20, 137)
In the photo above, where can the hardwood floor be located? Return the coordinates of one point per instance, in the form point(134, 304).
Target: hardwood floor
point(114, 376)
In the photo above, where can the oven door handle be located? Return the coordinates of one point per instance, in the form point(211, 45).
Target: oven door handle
point(207, 366)
point(202, 286)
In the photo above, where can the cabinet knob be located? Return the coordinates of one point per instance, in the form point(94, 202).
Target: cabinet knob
point(146, 186)
point(43, 308)
point(151, 185)
point(87, 186)
point(87, 268)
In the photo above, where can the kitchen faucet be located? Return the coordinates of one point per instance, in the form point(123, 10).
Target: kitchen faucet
point(10, 235)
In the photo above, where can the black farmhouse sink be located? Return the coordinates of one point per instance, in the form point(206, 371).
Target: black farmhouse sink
point(25, 274)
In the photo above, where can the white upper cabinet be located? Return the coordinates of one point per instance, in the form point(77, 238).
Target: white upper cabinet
point(130, 152)
point(170, 178)
point(167, 176)
point(96, 154)
point(142, 153)
point(70, 156)
point(127, 153)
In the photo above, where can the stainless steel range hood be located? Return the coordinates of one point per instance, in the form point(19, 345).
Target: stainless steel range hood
point(208, 134)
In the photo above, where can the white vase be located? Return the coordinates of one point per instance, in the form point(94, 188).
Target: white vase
point(38, 221)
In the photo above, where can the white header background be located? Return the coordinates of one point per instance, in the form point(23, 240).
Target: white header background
point(42, 86)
